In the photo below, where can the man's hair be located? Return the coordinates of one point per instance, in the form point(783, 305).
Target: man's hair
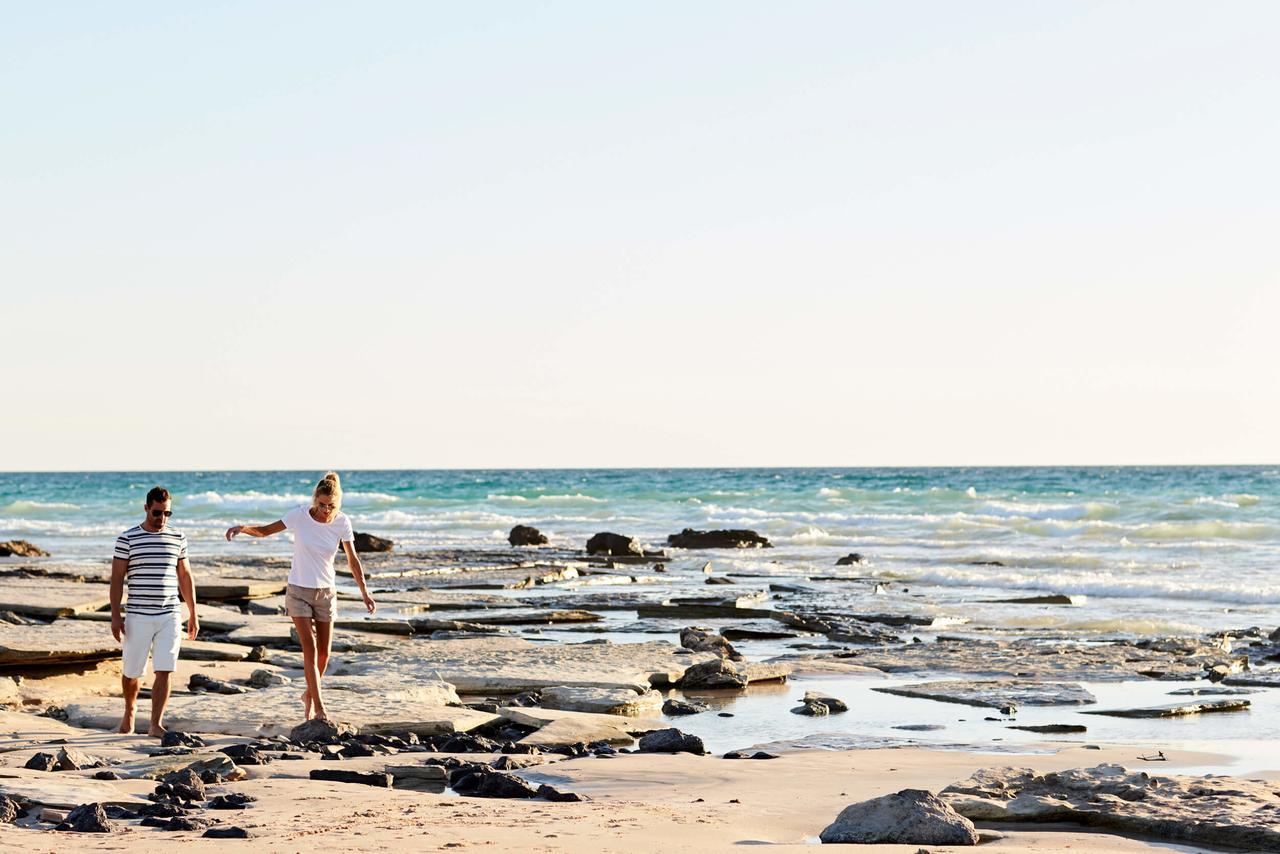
point(157, 495)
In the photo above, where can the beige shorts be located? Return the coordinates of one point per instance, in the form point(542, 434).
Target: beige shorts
point(316, 603)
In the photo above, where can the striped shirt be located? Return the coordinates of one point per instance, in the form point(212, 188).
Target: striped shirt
point(152, 575)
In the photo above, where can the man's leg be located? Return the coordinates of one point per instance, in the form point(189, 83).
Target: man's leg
point(129, 687)
point(159, 699)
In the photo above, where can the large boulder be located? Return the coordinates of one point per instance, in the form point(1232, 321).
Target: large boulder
point(606, 543)
point(908, 817)
point(369, 543)
point(526, 535)
point(320, 731)
point(718, 673)
point(723, 539)
point(671, 741)
point(87, 818)
point(21, 548)
point(702, 639)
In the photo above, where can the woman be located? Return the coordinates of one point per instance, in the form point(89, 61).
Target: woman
point(311, 599)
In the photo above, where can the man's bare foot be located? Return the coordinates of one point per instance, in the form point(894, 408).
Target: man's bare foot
point(126, 725)
point(156, 731)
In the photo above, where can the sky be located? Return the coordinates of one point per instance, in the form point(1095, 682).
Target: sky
point(436, 235)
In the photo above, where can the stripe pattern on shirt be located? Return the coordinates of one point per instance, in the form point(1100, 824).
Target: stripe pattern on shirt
point(152, 576)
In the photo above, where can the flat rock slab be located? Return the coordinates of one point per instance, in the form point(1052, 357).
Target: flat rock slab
point(212, 618)
point(508, 665)
point(277, 632)
point(1209, 810)
point(60, 791)
point(371, 703)
point(39, 597)
point(560, 728)
point(1184, 659)
point(1255, 678)
point(59, 642)
point(237, 588)
point(516, 617)
point(996, 693)
point(199, 650)
point(607, 701)
point(1175, 711)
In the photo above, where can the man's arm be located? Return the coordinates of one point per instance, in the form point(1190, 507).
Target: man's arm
point(257, 530)
point(357, 570)
point(119, 566)
point(187, 588)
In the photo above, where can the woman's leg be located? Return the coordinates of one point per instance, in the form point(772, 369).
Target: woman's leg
point(307, 640)
point(324, 641)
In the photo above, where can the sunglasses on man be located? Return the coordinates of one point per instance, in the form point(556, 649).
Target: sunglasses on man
point(156, 514)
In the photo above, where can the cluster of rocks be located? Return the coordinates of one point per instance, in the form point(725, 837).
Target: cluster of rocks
point(175, 805)
point(66, 759)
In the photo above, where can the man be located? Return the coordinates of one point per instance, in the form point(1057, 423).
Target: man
point(152, 557)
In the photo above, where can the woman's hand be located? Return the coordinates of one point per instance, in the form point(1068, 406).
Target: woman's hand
point(368, 601)
point(232, 531)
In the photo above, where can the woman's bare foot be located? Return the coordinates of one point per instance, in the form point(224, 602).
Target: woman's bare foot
point(306, 705)
point(156, 731)
point(126, 725)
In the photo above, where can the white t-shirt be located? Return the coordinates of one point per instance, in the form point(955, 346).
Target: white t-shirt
point(314, 545)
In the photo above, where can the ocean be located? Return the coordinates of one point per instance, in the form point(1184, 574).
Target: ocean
point(1146, 550)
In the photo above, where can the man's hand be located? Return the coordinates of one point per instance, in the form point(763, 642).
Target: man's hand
point(368, 601)
point(193, 626)
point(117, 626)
point(232, 531)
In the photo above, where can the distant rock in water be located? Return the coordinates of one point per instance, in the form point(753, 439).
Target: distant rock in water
point(370, 543)
point(720, 539)
point(851, 559)
point(525, 535)
point(21, 548)
point(606, 543)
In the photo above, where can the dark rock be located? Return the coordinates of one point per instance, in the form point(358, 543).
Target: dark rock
point(201, 682)
point(469, 743)
point(742, 754)
point(245, 754)
point(9, 810)
point(524, 535)
point(186, 784)
point(370, 543)
point(908, 817)
point(834, 706)
point(719, 579)
point(680, 707)
point(173, 738)
point(88, 818)
point(257, 655)
point(107, 775)
point(119, 813)
point(721, 539)
point(813, 710)
point(1051, 729)
point(1008, 709)
point(320, 731)
point(21, 548)
point(920, 727)
point(493, 784)
point(701, 639)
point(162, 809)
point(614, 544)
point(234, 801)
point(355, 749)
point(671, 741)
point(550, 793)
point(42, 762)
point(1048, 599)
point(177, 824)
point(718, 673)
point(850, 559)
point(226, 833)
point(337, 775)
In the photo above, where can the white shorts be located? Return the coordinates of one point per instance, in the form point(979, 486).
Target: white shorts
point(158, 637)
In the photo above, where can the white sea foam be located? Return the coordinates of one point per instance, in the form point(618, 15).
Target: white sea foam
point(26, 506)
point(520, 499)
point(1189, 586)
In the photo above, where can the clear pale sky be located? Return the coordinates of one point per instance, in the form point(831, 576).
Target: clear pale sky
point(276, 235)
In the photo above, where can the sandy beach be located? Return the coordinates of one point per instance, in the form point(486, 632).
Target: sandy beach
point(494, 673)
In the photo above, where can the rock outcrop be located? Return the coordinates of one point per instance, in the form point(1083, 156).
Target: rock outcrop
point(606, 543)
point(526, 535)
point(908, 817)
point(719, 539)
point(21, 548)
point(369, 543)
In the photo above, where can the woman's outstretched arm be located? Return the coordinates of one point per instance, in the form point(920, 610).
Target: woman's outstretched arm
point(256, 530)
point(357, 570)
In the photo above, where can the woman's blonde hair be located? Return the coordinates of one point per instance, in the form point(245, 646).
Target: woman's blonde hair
point(331, 487)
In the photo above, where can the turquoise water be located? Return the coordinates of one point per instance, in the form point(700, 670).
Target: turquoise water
point(1156, 548)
